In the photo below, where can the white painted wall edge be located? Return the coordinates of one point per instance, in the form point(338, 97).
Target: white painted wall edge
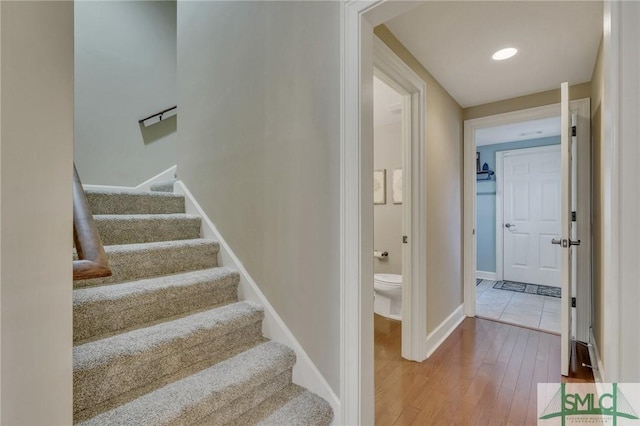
point(305, 373)
point(144, 186)
point(484, 275)
point(444, 330)
point(594, 355)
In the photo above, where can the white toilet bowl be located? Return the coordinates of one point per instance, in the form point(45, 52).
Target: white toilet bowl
point(387, 289)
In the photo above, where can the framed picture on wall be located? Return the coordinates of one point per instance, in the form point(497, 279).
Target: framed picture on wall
point(379, 186)
point(396, 186)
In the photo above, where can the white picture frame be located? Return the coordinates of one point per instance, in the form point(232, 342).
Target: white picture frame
point(379, 186)
point(396, 186)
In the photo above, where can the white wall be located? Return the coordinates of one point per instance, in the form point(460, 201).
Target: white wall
point(125, 70)
point(36, 230)
point(259, 136)
point(387, 218)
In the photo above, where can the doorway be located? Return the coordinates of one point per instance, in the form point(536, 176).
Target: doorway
point(581, 286)
point(518, 213)
point(409, 194)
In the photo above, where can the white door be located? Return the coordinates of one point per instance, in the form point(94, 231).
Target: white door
point(564, 239)
point(531, 215)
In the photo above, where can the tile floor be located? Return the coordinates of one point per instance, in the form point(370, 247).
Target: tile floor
point(529, 310)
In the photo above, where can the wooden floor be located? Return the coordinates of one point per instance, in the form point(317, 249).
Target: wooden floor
point(485, 373)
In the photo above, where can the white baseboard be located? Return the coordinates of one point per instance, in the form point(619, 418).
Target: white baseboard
point(484, 275)
point(305, 373)
point(144, 186)
point(594, 354)
point(440, 334)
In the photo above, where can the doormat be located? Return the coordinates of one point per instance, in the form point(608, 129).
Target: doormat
point(542, 290)
point(478, 281)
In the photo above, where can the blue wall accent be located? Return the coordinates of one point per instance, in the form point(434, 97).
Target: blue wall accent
point(486, 199)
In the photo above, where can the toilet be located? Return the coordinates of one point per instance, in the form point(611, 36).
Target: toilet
point(387, 289)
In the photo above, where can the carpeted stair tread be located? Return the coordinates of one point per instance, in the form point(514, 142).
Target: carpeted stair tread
point(146, 228)
point(111, 366)
point(163, 186)
point(134, 202)
point(131, 262)
point(292, 406)
point(200, 395)
point(105, 309)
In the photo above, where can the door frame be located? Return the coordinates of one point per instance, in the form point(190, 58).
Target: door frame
point(583, 108)
point(395, 73)
point(357, 20)
point(500, 202)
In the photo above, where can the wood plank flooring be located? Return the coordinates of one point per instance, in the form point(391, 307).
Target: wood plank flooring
point(485, 373)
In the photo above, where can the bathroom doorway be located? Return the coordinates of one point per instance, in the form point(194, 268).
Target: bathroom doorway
point(387, 210)
point(400, 199)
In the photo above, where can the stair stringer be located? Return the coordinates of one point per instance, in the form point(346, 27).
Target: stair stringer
point(305, 373)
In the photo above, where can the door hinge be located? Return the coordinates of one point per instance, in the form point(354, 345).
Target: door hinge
point(404, 239)
point(573, 216)
point(573, 302)
point(573, 131)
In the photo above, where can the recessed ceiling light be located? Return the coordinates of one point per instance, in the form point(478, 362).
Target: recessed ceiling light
point(504, 53)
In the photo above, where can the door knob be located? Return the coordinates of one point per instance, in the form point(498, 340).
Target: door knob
point(574, 243)
point(508, 225)
point(554, 241)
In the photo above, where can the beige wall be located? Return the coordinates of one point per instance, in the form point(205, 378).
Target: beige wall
point(259, 147)
point(36, 229)
point(577, 91)
point(125, 70)
point(444, 191)
point(597, 88)
point(387, 218)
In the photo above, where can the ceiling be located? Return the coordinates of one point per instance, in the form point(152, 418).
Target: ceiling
point(533, 129)
point(557, 41)
point(387, 104)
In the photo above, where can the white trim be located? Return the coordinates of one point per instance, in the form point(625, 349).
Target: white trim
point(391, 69)
point(356, 197)
point(596, 361)
point(610, 154)
point(144, 186)
point(500, 198)
point(305, 373)
point(484, 275)
point(499, 217)
point(444, 330)
point(583, 311)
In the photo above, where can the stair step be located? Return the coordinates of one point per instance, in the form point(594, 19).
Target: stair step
point(134, 202)
point(146, 228)
point(163, 186)
point(131, 262)
point(106, 309)
point(201, 395)
point(109, 367)
point(293, 406)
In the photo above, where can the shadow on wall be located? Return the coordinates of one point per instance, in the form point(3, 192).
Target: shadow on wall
point(159, 130)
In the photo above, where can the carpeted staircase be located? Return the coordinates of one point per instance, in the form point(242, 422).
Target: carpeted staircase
point(165, 341)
